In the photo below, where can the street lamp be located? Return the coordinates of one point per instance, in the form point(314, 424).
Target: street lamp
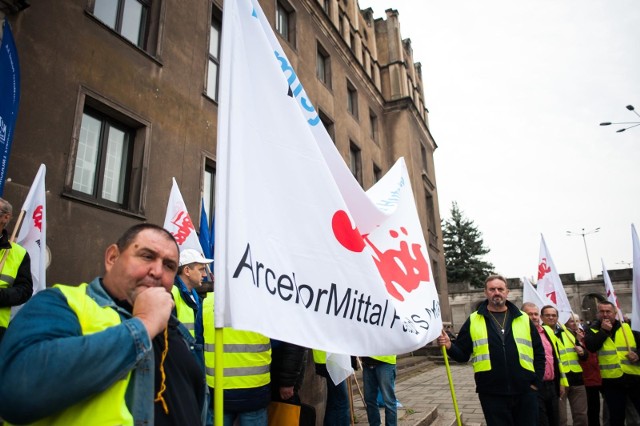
point(634, 123)
point(583, 233)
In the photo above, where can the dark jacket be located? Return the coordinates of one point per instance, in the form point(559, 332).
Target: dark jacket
point(287, 367)
point(506, 377)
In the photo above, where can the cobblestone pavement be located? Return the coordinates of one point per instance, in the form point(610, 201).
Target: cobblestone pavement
point(427, 388)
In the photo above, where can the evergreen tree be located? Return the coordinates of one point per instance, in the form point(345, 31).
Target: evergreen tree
point(463, 249)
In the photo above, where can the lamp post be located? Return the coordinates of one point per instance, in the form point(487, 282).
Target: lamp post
point(583, 233)
point(633, 123)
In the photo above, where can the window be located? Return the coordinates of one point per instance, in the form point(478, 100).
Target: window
point(108, 161)
point(355, 162)
point(328, 124)
point(214, 59)
point(352, 100)
point(129, 18)
point(285, 21)
point(209, 191)
point(373, 125)
point(103, 158)
point(423, 155)
point(377, 173)
point(323, 66)
point(326, 6)
point(431, 214)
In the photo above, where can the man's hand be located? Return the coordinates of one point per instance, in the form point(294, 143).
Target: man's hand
point(153, 306)
point(606, 325)
point(444, 340)
point(562, 391)
point(632, 356)
point(286, 392)
point(579, 350)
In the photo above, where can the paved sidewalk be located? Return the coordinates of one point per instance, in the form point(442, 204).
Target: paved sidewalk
point(427, 388)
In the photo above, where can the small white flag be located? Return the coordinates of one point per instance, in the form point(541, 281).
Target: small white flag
point(611, 294)
point(549, 284)
point(178, 222)
point(529, 294)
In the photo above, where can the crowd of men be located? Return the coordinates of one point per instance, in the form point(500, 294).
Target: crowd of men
point(527, 365)
point(137, 346)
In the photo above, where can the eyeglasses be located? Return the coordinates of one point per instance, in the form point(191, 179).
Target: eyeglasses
point(550, 315)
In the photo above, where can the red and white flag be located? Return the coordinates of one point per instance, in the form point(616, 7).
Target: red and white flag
point(611, 294)
point(299, 238)
point(179, 223)
point(549, 284)
point(635, 293)
point(33, 232)
point(529, 294)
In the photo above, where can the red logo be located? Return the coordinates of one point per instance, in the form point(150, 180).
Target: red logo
point(543, 268)
point(405, 267)
point(183, 221)
point(552, 296)
point(37, 217)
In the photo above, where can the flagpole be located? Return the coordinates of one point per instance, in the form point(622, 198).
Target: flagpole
point(619, 315)
point(12, 238)
point(451, 387)
point(218, 390)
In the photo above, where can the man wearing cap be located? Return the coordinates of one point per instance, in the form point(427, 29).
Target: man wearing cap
point(191, 273)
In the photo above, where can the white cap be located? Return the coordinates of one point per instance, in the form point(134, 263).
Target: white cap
point(188, 256)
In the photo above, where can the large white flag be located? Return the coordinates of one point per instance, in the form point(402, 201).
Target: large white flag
point(549, 284)
point(635, 293)
point(529, 294)
point(178, 222)
point(303, 254)
point(33, 231)
point(611, 294)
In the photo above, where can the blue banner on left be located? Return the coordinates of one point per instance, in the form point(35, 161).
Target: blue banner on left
point(9, 97)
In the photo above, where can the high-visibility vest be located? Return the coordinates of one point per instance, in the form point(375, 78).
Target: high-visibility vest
point(558, 349)
point(389, 359)
point(521, 329)
point(109, 407)
point(612, 356)
point(570, 357)
point(246, 355)
point(8, 276)
point(184, 311)
point(319, 357)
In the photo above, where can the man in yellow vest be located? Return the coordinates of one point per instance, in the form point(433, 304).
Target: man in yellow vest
point(379, 374)
point(570, 352)
point(617, 348)
point(191, 272)
point(108, 352)
point(507, 355)
point(554, 381)
point(16, 283)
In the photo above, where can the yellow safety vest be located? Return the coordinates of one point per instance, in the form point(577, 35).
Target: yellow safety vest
point(184, 311)
point(612, 356)
point(8, 276)
point(109, 407)
point(389, 359)
point(570, 357)
point(479, 335)
point(319, 357)
point(558, 349)
point(246, 355)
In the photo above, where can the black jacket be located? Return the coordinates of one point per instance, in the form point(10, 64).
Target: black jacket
point(506, 377)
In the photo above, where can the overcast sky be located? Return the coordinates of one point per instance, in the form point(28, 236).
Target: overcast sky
point(515, 92)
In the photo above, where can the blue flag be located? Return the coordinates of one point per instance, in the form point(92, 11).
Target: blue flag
point(205, 235)
point(9, 97)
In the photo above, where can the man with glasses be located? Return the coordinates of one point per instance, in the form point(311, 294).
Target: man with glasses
point(16, 283)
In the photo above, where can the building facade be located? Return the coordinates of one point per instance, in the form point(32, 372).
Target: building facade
point(119, 97)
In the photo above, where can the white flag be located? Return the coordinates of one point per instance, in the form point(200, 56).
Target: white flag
point(33, 232)
point(635, 293)
point(178, 222)
point(296, 236)
point(549, 284)
point(529, 294)
point(611, 294)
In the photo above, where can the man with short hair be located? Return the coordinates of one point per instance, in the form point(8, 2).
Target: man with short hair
point(107, 352)
point(617, 348)
point(507, 355)
point(16, 282)
point(571, 351)
point(191, 272)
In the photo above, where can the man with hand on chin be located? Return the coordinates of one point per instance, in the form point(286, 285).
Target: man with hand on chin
point(507, 356)
point(106, 352)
